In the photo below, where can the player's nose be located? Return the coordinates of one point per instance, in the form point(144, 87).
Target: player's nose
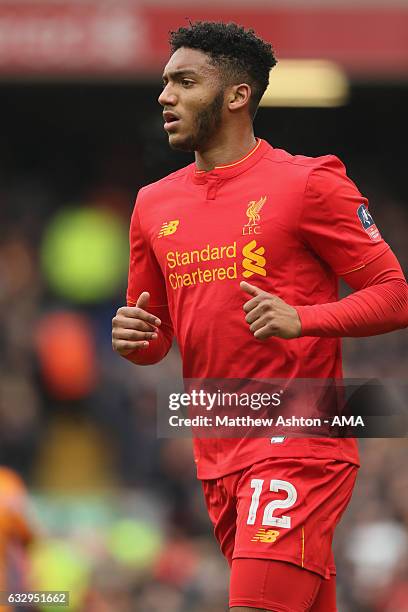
point(167, 97)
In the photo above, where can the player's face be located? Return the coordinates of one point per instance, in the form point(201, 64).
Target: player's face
point(192, 100)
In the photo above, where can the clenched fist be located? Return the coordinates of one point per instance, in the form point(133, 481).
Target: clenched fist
point(133, 326)
point(268, 315)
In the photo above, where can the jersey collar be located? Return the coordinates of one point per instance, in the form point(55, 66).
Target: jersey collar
point(233, 169)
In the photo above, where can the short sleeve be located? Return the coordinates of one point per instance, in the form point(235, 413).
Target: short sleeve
point(144, 271)
point(335, 222)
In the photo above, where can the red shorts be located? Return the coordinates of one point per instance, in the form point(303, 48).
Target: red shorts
point(283, 509)
point(280, 586)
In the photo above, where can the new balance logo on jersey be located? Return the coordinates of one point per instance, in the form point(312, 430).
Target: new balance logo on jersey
point(168, 228)
point(254, 261)
point(267, 536)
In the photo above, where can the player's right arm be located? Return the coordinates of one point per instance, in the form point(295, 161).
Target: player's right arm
point(142, 331)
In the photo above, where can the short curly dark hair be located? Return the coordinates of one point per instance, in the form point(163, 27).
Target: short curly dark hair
point(239, 53)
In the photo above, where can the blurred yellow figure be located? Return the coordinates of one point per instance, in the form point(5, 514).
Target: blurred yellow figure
point(15, 533)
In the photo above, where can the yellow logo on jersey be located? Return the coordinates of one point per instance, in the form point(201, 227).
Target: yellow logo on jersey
point(168, 228)
point(254, 262)
point(252, 212)
point(266, 536)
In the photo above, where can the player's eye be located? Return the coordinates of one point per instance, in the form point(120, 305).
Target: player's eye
point(187, 82)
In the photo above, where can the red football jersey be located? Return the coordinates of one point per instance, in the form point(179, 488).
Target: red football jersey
point(288, 224)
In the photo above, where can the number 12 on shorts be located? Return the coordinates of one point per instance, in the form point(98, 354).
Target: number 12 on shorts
point(268, 518)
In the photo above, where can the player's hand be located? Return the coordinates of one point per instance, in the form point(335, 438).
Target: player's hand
point(133, 326)
point(268, 315)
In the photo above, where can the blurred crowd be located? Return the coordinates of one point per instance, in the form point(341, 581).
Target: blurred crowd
point(90, 500)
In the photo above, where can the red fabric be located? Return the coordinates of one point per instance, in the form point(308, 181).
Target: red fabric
point(143, 265)
point(326, 597)
point(311, 494)
point(194, 237)
point(280, 586)
point(379, 305)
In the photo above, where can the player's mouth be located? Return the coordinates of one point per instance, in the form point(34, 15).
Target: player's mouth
point(170, 120)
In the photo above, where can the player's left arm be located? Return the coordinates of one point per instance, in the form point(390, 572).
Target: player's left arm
point(267, 315)
point(336, 224)
point(378, 305)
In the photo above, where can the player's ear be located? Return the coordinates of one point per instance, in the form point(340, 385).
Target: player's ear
point(239, 96)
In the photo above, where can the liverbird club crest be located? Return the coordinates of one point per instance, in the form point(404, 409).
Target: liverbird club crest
point(254, 217)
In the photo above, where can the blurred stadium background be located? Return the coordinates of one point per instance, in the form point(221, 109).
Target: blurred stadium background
point(90, 500)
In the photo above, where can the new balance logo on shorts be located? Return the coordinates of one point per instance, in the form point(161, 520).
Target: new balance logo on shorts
point(267, 536)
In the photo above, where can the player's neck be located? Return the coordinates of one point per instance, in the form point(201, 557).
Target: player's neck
point(226, 150)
